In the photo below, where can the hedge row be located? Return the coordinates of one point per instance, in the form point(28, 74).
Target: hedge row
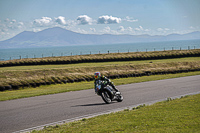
point(57, 80)
point(103, 58)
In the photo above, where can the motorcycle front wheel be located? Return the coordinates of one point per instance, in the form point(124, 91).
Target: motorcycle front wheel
point(106, 97)
point(119, 98)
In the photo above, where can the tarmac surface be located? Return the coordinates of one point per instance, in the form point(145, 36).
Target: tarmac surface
point(20, 114)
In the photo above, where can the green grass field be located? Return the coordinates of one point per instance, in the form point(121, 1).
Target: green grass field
point(179, 115)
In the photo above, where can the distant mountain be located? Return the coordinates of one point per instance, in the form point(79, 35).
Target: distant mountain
point(61, 37)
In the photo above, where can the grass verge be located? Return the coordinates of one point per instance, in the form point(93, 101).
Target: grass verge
point(179, 115)
point(60, 88)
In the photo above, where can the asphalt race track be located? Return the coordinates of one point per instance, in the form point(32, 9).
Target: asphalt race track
point(25, 113)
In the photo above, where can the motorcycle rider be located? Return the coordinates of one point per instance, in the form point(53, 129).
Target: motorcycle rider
point(97, 76)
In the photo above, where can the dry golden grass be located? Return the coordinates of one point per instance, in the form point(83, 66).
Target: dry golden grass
point(55, 73)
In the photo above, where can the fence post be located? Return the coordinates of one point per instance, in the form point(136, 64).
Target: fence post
point(20, 57)
point(146, 50)
point(71, 53)
point(172, 48)
point(164, 49)
point(118, 51)
point(154, 49)
point(108, 51)
point(194, 47)
point(99, 52)
point(180, 48)
point(188, 47)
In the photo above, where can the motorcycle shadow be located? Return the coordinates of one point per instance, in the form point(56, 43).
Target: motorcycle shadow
point(95, 104)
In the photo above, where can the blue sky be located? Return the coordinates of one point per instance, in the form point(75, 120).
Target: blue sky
point(135, 17)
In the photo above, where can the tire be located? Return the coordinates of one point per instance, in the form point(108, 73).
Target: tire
point(106, 97)
point(120, 98)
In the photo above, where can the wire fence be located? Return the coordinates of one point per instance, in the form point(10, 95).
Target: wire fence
point(87, 52)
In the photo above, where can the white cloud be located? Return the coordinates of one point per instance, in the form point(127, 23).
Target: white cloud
point(79, 30)
point(13, 21)
point(44, 21)
point(121, 29)
point(60, 20)
point(163, 29)
point(93, 29)
point(84, 19)
point(130, 19)
point(10, 28)
point(108, 20)
point(159, 29)
point(130, 29)
point(36, 30)
point(21, 23)
point(11, 25)
point(166, 29)
point(139, 29)
point(107, 29)
point(147, 30)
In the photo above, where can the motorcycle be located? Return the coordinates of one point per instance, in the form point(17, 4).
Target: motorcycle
point(107, 93)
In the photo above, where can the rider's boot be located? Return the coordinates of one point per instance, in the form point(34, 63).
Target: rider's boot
point(117, 93)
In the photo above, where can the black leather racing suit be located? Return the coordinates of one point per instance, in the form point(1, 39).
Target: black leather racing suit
point(103, 78)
